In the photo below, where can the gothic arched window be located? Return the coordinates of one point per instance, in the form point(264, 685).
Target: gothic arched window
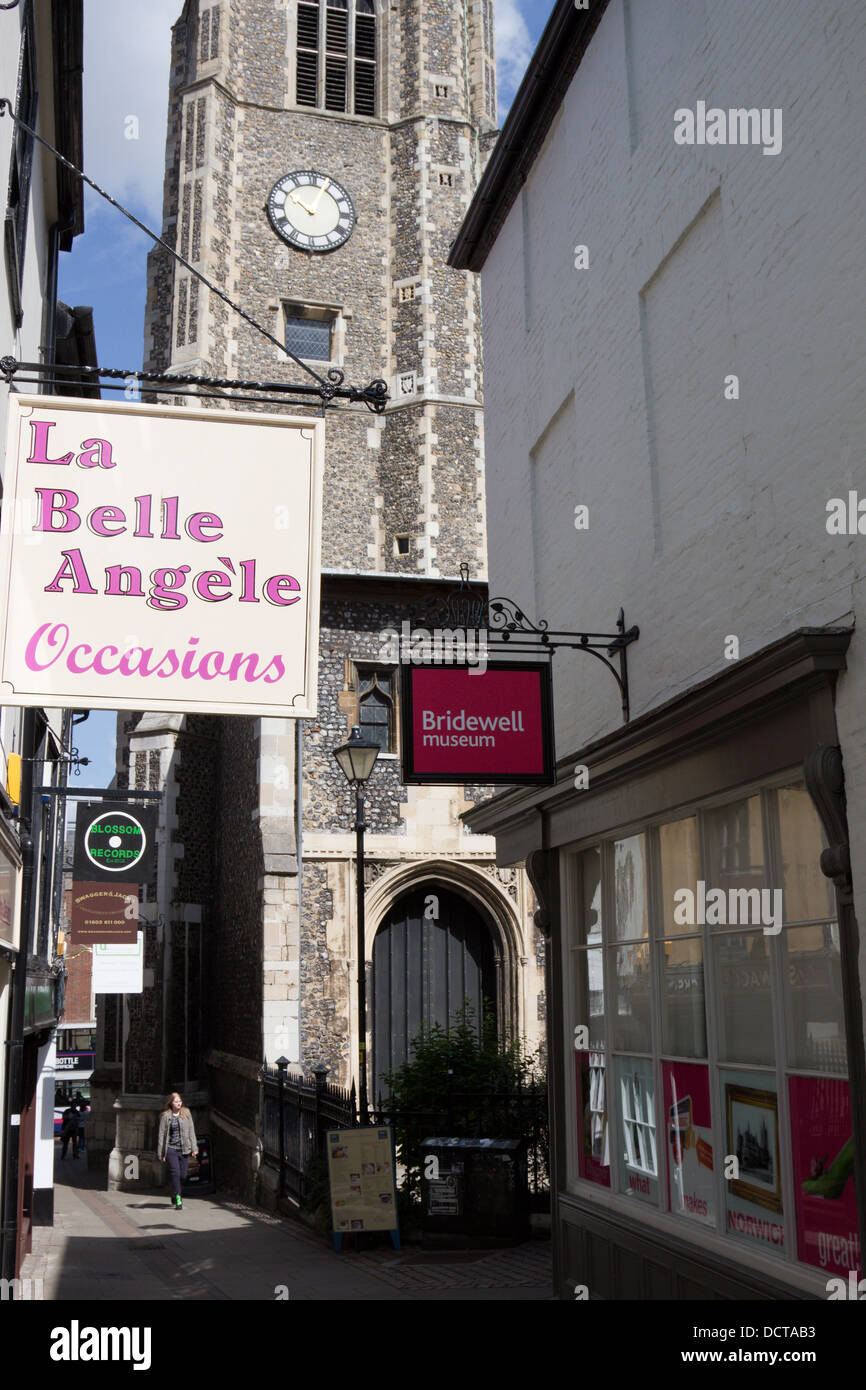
point(376, 708)
point(337, 55)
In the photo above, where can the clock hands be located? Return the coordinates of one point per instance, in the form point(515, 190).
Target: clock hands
point(295, 199)
point(324, 186)
point(314, 209)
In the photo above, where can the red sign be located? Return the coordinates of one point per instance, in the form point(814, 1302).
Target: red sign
point(461, 723)
point(823, 1160)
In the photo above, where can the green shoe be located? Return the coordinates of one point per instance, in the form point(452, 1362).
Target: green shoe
point(179, 1204)
point(830, 1182)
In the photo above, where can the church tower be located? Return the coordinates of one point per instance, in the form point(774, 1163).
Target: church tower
point(320, 157)
point(394, 106)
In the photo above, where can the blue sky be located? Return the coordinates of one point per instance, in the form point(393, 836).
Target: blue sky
point(126, 65)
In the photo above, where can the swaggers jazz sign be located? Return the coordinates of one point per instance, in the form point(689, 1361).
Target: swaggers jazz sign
point(161, 559)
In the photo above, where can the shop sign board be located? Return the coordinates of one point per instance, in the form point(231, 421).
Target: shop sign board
point(160, 558)
point(114, 842)
point(464, 723)
point(118, 968)
point(100, 912)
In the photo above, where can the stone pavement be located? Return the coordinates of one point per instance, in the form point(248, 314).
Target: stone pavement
point(133, 1246)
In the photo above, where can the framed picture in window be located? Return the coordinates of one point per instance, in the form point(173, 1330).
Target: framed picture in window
point(752, 1117)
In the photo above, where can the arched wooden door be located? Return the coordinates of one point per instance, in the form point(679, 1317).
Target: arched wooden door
point(424, 966)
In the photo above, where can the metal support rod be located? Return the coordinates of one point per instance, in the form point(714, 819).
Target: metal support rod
point(374, 396)
point(360, 827)
point(106, 793)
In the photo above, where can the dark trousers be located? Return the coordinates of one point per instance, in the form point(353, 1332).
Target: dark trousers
point(65, 1136)
point(177, 1164)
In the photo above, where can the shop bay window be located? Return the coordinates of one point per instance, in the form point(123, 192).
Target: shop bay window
point(705, 1007)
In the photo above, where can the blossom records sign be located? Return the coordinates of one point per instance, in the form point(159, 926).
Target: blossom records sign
point(158, 558)
point(465, 723)
point(112, 842)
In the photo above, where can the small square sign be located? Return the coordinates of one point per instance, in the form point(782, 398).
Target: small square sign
point(462, 723)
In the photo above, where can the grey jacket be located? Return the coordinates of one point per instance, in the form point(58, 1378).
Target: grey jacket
point(188, 1142)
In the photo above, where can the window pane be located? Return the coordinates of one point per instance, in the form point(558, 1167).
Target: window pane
point(588, 926)
point(813, 999)
point(735, 845)
point(678, 848)
point(684, 1027)
point(638, 1159)
point(630, 896)
point(808, 894)
point(592, 1148)
point(375, 719)
point(823, 1161)
point(742, 971)
point(632, 1026)
point(750, 1115)
point(309, 338)
point(589, 998)
point(689, 1140)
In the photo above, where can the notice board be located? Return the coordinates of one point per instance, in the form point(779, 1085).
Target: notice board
point(361, 1174)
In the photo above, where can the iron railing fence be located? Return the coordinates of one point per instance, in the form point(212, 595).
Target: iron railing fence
point(303, 1108)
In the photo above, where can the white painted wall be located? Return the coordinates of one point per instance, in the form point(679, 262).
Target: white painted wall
point(23, 343)
point(707, 516)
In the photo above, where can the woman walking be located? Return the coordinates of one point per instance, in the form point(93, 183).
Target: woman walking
point(176, 1143)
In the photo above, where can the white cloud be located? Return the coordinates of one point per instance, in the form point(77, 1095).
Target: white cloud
point(514, 48)
point(127, 52)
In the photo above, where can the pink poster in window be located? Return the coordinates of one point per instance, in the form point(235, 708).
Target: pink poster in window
point(822, 1151)
point(689, 1140)
point(592, 1133)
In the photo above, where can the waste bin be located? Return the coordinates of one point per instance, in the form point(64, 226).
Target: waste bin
point(474, 1192)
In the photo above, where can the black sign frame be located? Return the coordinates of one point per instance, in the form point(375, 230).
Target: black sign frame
point(411, 777)
point(85, 869)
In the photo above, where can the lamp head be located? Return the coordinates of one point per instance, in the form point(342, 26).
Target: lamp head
point(357, 757)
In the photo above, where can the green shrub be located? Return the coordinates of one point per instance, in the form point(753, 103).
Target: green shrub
point(466, 1058)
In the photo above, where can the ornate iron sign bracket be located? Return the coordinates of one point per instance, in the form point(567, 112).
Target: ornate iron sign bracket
point(281, 393)
point(508, 629)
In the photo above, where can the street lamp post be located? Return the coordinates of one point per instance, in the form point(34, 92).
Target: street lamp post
point(357, 759)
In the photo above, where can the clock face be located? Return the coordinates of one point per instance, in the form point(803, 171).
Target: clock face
point(311, 211)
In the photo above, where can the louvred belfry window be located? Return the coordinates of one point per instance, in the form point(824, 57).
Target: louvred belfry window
point(336, 55)
point(308, 54)
point(365, 58)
